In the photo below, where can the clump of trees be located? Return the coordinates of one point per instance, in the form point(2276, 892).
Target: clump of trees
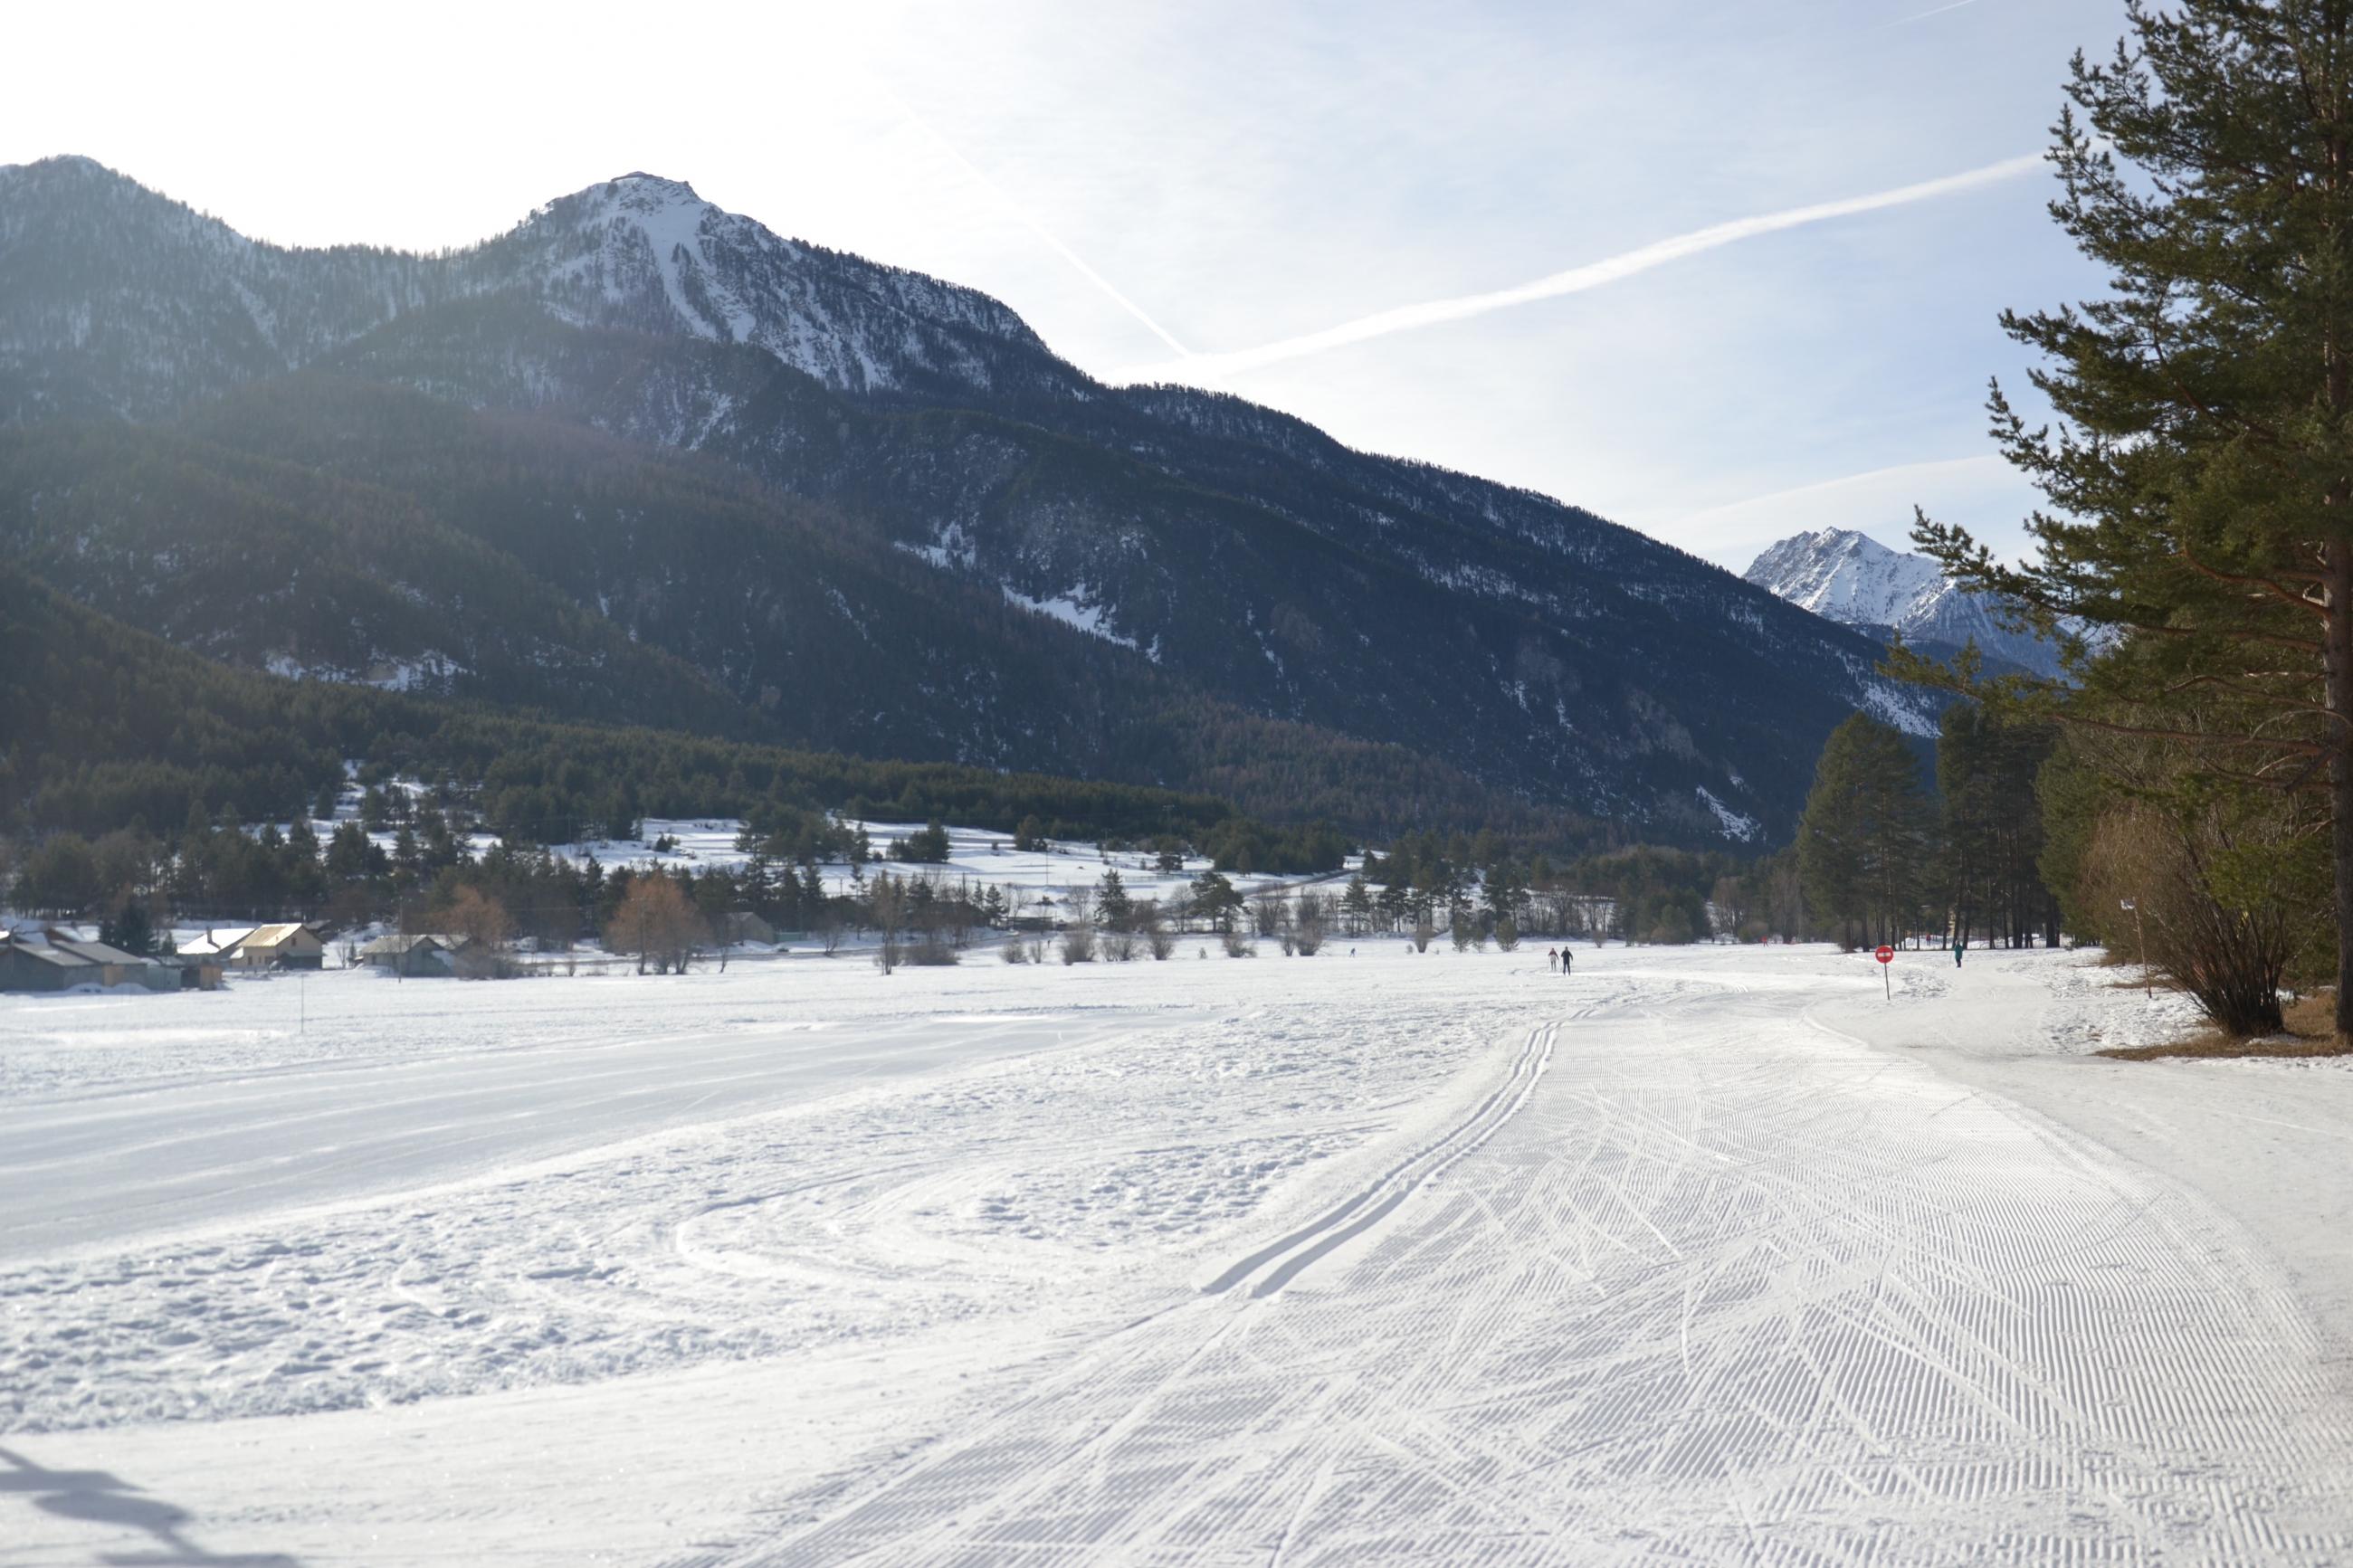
point(1862, 844)
point(657, 922)
point(2196, 564)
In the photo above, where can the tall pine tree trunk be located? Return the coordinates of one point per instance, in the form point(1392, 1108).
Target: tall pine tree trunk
point(2336, 552)
point(2338, 658)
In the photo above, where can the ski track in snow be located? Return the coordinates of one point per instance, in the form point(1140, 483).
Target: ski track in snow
point(1704, 1290)
point(879, 1205)
point(1379, 1259)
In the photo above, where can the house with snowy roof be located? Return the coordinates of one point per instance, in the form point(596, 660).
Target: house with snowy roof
point(287, 945)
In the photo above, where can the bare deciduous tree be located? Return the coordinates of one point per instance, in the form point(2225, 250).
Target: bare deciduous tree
point(657, 923)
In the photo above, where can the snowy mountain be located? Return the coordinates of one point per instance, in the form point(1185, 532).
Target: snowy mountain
point(869, 508)
point(1855, 580)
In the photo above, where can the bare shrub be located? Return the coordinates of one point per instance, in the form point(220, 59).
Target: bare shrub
point(1311, 925)
point(1013, 951)
point(934, 949)
point(886, 902)
point(2164, 864)
point(1239, 944)
point(1269, 911)
point(1154, 930)
point(1079, 945)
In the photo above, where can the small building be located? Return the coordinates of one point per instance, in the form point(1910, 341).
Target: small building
point(742, 925)
point(27, 963)
point(218, 946)
point(289, 946)
point(409, 957)
point(117, 967)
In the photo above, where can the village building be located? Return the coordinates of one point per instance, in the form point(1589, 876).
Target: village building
point(27, 963)
point(742, 925)
point(218, 946)
point(289, 946)
point(53, 961)
point(410, 957)
point(117, 967)
point(196, 973)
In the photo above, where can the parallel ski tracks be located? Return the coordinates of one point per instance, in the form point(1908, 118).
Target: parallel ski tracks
point(1277, 1264)
point(1700, 1285)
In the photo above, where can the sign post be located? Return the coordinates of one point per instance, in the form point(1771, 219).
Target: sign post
point(1886, 956)
point(2132, 906)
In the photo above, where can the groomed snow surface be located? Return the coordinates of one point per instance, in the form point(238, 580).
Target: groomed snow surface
point(1697, 1255)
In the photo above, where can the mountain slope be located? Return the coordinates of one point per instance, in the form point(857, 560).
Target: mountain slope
point(103, 725)
point(1212, 556)
point(1855, 580)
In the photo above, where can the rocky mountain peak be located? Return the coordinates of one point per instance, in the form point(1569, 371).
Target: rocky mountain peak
point(1850, 578)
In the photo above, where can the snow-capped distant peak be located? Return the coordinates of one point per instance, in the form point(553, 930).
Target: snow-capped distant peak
point(638, 180)
point(1843, 575)
point(1852, 578)
point(647, 252)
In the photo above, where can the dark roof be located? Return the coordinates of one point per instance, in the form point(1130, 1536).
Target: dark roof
point(97, 951)
point(49, 954)
point(385, 944)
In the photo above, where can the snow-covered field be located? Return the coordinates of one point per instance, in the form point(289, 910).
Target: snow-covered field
point(1698, 1255)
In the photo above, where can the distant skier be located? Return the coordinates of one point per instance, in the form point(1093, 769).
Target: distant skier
point(1552, 959)
point(1566, 958)
point(1960, 946)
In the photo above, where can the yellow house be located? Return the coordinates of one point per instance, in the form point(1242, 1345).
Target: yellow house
point(286, 946)
point(289, 946)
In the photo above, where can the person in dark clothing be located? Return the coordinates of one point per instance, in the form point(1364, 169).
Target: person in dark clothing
point(1960, 946)
point(1566, 958)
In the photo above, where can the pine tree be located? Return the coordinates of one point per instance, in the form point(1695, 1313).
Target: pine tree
point(757, 884)
point(1116, 908)
point(1862, 844)
point(2201, 472)
point(129, 929)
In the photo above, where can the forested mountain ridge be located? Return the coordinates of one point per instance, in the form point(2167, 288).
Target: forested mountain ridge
point(949, 471)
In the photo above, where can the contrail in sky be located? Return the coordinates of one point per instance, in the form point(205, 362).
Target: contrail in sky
point(1924, 15)
point(1053, 241)
point(1576, 280)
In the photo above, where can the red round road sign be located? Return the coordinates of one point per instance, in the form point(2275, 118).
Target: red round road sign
point(1885, 955)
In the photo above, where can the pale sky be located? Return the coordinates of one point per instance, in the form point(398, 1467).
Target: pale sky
point(1717, 269)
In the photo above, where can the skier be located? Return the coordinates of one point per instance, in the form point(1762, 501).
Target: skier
point(1552, 958)
point(1566, 958)
point(1960, 946)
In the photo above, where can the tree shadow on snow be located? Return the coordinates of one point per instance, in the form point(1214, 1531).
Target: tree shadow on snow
point(97, 1497)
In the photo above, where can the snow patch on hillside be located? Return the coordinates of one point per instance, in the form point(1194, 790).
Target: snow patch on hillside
point(1884, 703)
point(430, 670)
point(1078, 608)
point(1738, 825)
